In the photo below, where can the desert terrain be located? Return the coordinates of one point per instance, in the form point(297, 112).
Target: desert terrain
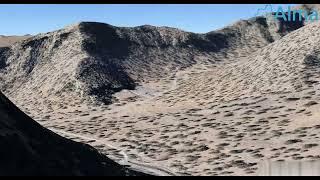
point(6, 41)
point(173, 102)
point(28, 149)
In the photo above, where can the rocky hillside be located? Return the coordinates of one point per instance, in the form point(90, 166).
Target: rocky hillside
point(286, 65)
point(91, 61)
point(227, 119)
point(262, 107)
point(224, 100)
point(29, 149)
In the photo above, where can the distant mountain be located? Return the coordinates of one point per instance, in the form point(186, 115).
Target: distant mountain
point(6, 41)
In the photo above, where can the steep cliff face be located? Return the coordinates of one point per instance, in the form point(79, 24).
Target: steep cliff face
point(91, 61)
point(29, 149)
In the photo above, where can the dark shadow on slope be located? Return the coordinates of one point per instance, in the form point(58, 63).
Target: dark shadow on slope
point(209, 43)
point(265, 29)
point(103, 39)
point(288, 26)
point(103, 79)
point(4, 52)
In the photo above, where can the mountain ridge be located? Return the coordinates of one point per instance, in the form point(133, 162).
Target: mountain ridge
point(108, 59)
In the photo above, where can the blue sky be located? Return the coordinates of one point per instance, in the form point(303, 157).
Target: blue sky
point(34, 19)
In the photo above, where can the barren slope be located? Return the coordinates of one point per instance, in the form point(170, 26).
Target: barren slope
point(92, 61)
point(206, 104)
point(220, 119)
point(227, 119)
